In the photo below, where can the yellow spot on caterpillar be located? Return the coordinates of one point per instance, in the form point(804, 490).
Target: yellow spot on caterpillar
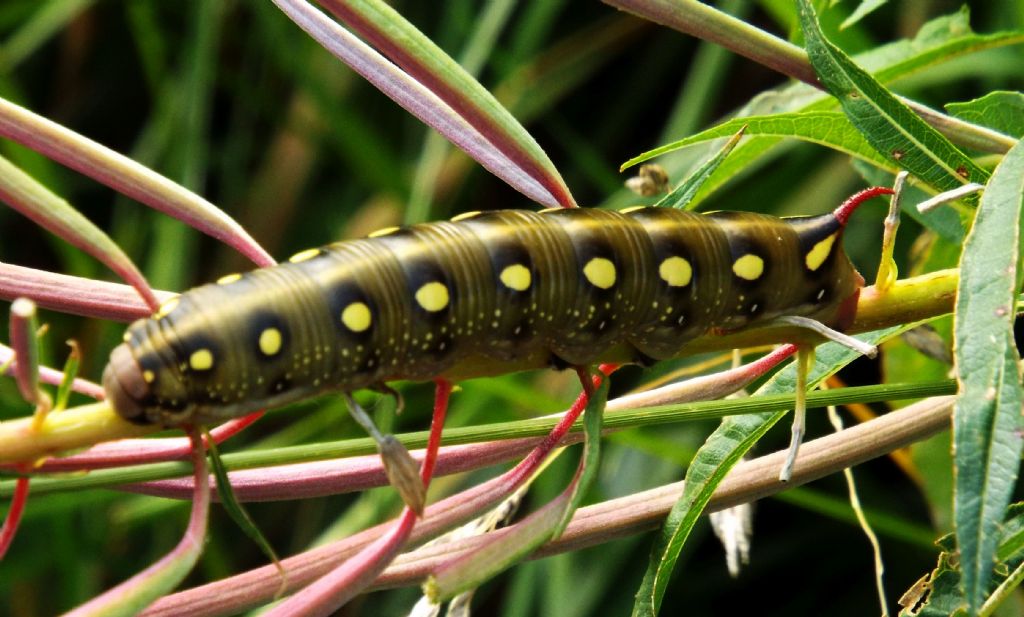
point(357, 317)
point(148, 376)
point(675, 271)
point(270, 341)
point(600, 272)
point(749, 267)
point(465, 215)
point(517, 277)
point(547, 210)
point(201, 360)
point(127, 336)
point(631, 209)
point(167, 307)
point(305, 255)
point(432, 297)
point(383, 232)
point(817, 255)
point(229, 278)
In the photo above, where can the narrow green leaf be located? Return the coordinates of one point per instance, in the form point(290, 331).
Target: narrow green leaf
point(865, 8)
point(234, 507)
point(999, 110)
point(26, 195)
point(722, 450)
point(987, 416)
point(421, 58)
point(899, 134)
point(70, 372)
point(683, 194)
point(828, 128)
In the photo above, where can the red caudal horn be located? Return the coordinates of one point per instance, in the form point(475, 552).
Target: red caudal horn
point(843, 212)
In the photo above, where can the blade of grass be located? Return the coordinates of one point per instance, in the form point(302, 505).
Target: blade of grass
point(48, 19)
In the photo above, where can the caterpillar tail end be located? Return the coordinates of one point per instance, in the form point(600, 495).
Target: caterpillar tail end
point(843, 212)
point(125, 385)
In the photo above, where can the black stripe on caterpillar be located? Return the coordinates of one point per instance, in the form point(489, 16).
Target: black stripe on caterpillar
point(483, 294)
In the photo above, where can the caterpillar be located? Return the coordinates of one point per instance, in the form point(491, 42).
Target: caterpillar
point(482, 294)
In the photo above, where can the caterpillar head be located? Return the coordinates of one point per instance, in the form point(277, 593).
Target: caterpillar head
point(125, 386)
point(133, 393)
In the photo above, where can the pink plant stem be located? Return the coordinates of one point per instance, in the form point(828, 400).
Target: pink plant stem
point(18, 501)
point(348, 580)
point(74, 294)
point(489, 127)
point(336, 476)
point(173, 566)
point(139, 451)
point(23, 343)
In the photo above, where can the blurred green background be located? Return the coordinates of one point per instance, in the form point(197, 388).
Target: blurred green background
point(232, 100)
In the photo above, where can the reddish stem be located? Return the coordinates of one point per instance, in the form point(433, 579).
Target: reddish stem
point(134, 590)
point(139, 451)
point(529, 465)
point(13, 519)
point(442, 392)
point(335, 589)
point(843, 212)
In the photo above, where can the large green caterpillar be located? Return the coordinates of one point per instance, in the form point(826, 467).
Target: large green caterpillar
point(483, 294)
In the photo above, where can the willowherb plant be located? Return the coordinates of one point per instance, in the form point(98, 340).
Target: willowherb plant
point(247, 105)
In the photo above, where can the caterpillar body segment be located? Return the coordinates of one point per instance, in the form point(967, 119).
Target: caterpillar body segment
point(483, 294)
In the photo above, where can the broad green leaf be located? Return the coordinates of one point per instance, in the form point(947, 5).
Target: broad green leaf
point(722, 450)
point(987, 416)
point(899, 134)
point(828, 128)
point(683, 194)
point(1000, 110)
